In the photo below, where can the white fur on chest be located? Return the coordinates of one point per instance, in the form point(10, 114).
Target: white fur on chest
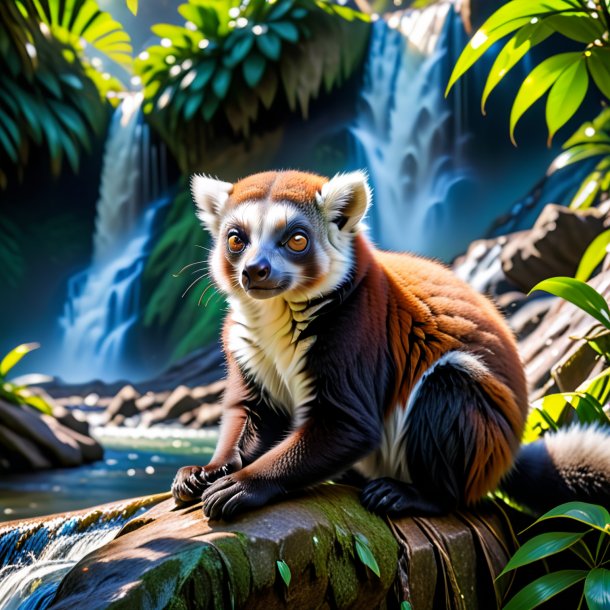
point(265, 341)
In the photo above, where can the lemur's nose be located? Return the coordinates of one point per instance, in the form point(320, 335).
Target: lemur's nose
point(256, 271)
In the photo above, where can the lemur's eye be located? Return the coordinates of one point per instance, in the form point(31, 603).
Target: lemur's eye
point(235, 243)
point(298, 242)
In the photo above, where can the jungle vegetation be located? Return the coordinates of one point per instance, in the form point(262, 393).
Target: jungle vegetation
point(565, 78)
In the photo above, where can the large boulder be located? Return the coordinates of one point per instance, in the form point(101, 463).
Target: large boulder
point(30, 439)
point(174, 557)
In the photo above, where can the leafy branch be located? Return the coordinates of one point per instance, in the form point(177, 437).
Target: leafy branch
point(564, 76)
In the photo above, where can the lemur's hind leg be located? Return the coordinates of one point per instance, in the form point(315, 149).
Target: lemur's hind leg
point(458, 442)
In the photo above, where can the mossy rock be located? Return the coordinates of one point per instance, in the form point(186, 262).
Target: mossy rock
point(174, 558)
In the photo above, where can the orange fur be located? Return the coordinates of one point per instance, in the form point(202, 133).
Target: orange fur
point(432, 312)
point(297, 187)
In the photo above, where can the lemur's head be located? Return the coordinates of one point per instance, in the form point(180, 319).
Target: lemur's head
point(282, 233)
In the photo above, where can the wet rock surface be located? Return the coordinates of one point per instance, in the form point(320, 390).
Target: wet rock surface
point(507, 267)
point(30, 439)
point(173, 557)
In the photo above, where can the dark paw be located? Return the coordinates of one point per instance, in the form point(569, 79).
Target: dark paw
point(234, 494)
point(190, 481)
point(390, 497)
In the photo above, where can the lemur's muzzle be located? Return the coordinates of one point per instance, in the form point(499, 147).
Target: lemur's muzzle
point(257, 275)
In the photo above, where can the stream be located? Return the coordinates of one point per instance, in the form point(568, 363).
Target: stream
point(137, 462)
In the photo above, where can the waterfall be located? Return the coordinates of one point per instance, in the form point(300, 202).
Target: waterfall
point(409, 136)
point(35, 555)
point(102, 304)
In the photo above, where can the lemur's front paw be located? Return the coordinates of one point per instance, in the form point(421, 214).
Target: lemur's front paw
point(190, 481)
point(234, 494)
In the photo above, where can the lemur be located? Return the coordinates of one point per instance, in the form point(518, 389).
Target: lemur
point(344, 357)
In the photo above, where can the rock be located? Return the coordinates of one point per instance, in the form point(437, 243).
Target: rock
point(38, 440)
point(151, 400)
point(124, 403)
point(553, 360)
point(173, 557)
point(205, 415)
point(553, 247)
point(183, 401)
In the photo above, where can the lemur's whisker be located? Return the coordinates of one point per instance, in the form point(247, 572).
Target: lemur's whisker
point(215, 293)
point(192, 284)
point(203, 293)
point(187, 266)
point(204, 248)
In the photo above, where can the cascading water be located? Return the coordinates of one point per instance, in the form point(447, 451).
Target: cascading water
point(102, 304)
point(408, 135)
point(34, 556)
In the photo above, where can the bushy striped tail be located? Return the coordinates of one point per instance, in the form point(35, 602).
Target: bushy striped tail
point(568, 465)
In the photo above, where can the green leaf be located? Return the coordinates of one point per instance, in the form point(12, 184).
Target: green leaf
point(598, 387)
point(15, 355)
point(192, 105)
point(254, 68)
point(593, 256)
point(591, 514)
point(279, 9)
point(365, 554)
point(37, 402)
point(541, 546)
point(284, 571)
point(597, 589)
point(544, 588)
point(204, 69)
point(566, 96)
point(587, 193)
point(175, 33)
point(580, 294)
point(132, 5)
point(598, 62)
point(286, 30)
point(221, 82)
point(527, 37)
point(270, 46)
point(581, 28)
point(481, 42)
point(405, 606)
point(240, 50)
point(537, 83)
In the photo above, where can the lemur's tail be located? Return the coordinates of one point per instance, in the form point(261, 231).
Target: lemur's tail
point(569, 465)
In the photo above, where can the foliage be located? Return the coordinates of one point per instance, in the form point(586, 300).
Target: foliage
point(593, 256)
point(587, 402)
point(50, 94)
point(231, 61)
point(284, 569)
point(565, 76)
point(363, 550)
point(591, 141)
point(16, 391)
point(184, 311)
point(80, 23)
point(590, 546)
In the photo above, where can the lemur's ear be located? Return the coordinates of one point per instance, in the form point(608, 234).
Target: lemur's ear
point(345, 199)
point(210, 195)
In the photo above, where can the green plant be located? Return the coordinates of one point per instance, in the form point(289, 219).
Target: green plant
point(81, 23)
point(586, 403)
point(16, 391)
point(231, 61)
point(51, 95)
point(565, 76)
point(363, 550)
point(589, 547)
point(284, 569)
point(591, 140)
